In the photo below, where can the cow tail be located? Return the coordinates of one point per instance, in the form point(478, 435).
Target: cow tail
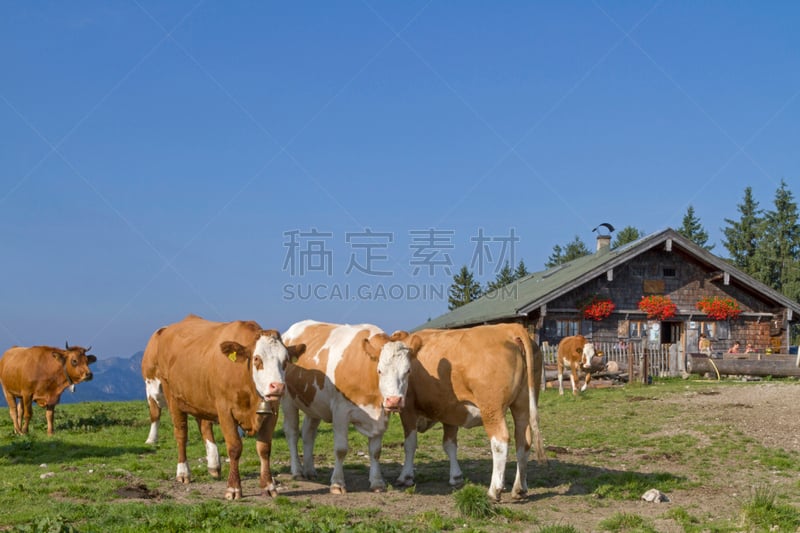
point(534, 364)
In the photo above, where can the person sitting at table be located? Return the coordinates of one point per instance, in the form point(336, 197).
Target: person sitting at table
point(735, 347)
point(749, 348)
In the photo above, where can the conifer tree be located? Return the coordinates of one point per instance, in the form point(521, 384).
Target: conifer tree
point(573, 250)
point(626, 235)
point(777, 256)
point(504, 277)
point(464, 289)
point(742, 236)
point(693, 230)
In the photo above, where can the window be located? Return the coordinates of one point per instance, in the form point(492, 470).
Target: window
point(709, 328)
point(567, 328)
point(668, 272)
point(637, 329)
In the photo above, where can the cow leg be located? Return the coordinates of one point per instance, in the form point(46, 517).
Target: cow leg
point(264, 448)
point(376, 482)
point(49, 415)
point(182, 473)
point(156, 402)
point(340, 427)
point(12, 410)
point(212, 452)
point(498, 438)
point(586, 382)
point(27, 410)
point(234, 445)
point(573, 377)
point(560, 376)
point(291, 428)
point(522, 441)
point(406, 478)
point(310, 427)
point(450, 446)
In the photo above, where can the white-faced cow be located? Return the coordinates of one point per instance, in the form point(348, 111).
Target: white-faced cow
point(473, 376)
point(40, 374)
point(575, 352)
point(231, 373)
point(347, 375)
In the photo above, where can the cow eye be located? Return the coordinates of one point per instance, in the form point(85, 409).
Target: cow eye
point(74, 362)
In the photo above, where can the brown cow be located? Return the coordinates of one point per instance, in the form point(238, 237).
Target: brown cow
point(40, 374)
point(576, 352)
point(350, 374)
point(231, 373)
point(468, 377)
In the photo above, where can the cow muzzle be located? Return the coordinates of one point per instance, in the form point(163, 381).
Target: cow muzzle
point(394, 404)
point(269, 404)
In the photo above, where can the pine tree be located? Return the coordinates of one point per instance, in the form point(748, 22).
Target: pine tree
point(626, 235)
point(693, 230)
point(464, 289)
point(521, 271)
point(742, 236)
point(777, 257)
point(504, 277)
point(573, 250)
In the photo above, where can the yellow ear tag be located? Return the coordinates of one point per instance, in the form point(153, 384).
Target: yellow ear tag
point(232, 356)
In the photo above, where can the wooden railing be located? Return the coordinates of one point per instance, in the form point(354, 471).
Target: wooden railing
point(662, 359)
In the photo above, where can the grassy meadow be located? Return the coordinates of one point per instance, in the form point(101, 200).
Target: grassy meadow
point(607, 448)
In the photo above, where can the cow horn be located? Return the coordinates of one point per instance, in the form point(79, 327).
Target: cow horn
point(66, 344)
point(89, 349)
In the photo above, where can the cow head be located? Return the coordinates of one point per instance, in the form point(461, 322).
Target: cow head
point(394, 366)
point(76, 363)
point(269, 359)
point(587, 354)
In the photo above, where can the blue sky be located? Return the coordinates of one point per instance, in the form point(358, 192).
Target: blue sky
point(159, 159)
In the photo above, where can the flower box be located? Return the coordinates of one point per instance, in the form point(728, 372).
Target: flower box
point(719, 308)
point(597, 308)
point(657, 306)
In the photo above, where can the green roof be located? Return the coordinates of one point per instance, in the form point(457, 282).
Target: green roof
point(517, 299)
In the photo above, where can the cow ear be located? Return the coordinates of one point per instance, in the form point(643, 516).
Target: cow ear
point(414, 344)
point(373, 345)
point(60, 356)
point(234, 351)
point(91, 359)
point(296, 351)
point(399, 335)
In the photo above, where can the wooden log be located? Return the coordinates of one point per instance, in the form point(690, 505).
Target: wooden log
point(777, 367)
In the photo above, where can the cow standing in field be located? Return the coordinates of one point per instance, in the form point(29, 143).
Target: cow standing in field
point(40, 374)
point(231, 373)
point(574, 352)
point(347, 375)
point(473, 376)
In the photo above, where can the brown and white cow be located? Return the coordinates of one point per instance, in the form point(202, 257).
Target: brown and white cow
point(575, 352)
point(347, 375)
point(226, 372)
point(473, 376)
point(40, 374)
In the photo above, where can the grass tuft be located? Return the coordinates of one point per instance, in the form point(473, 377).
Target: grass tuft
point(472, 501)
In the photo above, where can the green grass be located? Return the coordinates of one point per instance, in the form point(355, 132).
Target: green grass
point(78, 479)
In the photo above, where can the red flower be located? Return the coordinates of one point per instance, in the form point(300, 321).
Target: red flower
point(719, 308)
point(657, 306)
point(598, 309)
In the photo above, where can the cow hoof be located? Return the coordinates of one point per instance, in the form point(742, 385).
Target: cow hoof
point(148, 441)
point(519, 494)
point(214, 472)
point(272, 492)
point(233, 494)
point(405, 482)
point(338, 489)
point(378, 488)
point(298, 477)
point(183, 479)
point(457, 481)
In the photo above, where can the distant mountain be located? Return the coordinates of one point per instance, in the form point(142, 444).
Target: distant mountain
point(116, 379)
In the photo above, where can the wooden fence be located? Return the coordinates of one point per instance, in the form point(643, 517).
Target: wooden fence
point(661, 359)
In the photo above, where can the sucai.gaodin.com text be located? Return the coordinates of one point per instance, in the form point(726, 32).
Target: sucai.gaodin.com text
point(379, 292)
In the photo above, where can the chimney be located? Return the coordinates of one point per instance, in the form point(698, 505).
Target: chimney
point(603, 240)
point(603, 243)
